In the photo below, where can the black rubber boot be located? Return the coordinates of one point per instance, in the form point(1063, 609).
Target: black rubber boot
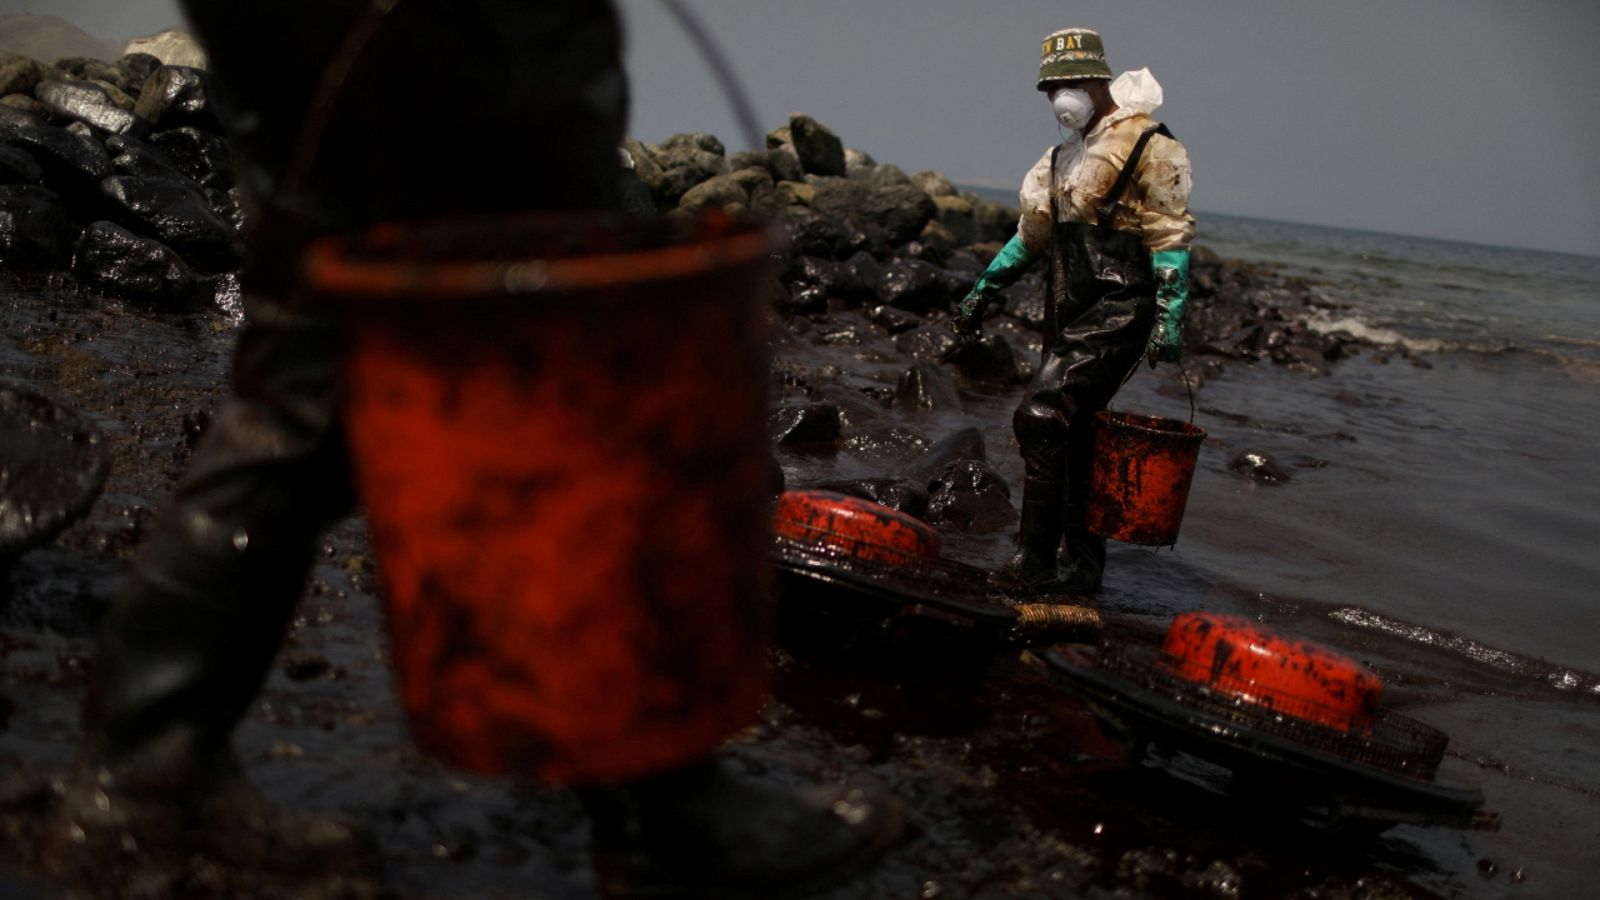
point(703, 833)
point(1083, 552)
point(1085, 563)
point(1032, 571)
point(206, 825)
point(194, 629)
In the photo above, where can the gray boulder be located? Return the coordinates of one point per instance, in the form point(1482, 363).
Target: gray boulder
point(894, 493)
point(895, 214)
point(139, 67)
point(748, 159)
point(989, 358)
point(73, 167)
point(934, 184)
point(994, 221)
point(1259, 466)
point(964, 443)
point(26, 103)
point(131, 156)
point(893, 319)
point(178, 97)
point(926, 385)
point(118, 261)
point(689, 143)
point(645, 165)
point(956, 214)
point(971, 496)
point(88, 102)
point(888, 444)
point(929, 343)
point(686, 160)
point(854, 280)
point(752, 178)
point(229, 206)
point(174, 48)
point(820, 150)
point(719, 191)
point(177, 215)
point(936, 242)
point(19, 75)
point(17, 167)
point(805, 299)
point(915, 285)
point(809, 423)
point(785, 164)
point(881, 176)
point(815, 234)
point(1024, 301)
point(856, 161)
point(83, 68)
point(204, 157)
point(35, 230)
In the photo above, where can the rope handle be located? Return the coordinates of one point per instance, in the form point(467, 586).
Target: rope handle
point(1057, 621)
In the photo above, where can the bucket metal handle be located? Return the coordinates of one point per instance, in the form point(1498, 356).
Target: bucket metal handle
point(308, 143)
point(1182, 369)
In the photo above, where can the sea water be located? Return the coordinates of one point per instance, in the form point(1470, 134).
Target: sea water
point(1458, 487)
point(1441, 520)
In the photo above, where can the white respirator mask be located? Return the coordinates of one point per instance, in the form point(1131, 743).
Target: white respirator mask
point(1073, 106)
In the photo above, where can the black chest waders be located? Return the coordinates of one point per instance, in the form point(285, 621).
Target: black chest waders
point(1099, 309)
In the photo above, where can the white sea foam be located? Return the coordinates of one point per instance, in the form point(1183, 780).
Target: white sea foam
point(1323, 323)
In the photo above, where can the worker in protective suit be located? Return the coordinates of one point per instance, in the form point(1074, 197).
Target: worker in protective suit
point(1108, 210)
point(529, 116)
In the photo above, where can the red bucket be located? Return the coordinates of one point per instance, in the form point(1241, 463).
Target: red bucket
point(1238, 658)
point(1143, 466)
point(558, 430)
point(857, 528)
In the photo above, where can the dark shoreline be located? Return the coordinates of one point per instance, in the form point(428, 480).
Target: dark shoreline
point(1013, 790)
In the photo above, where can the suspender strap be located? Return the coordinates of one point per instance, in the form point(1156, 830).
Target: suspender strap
point(1104, 210)
point(1054, 152)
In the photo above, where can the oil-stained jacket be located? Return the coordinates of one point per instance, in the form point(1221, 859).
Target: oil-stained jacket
point(1155, 205)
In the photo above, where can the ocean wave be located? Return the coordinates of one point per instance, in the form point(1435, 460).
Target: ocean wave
point(1324, 323)
point(1578, 368)
point(1559, 678)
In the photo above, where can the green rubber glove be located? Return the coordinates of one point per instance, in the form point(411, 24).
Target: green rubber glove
point(1008, 265)
point(1171, 270)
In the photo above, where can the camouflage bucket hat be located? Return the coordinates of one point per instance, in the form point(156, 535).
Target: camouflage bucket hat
point(1072, 53)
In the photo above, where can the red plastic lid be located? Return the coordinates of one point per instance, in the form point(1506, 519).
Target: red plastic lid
point(1236, 656)
point(854, 527)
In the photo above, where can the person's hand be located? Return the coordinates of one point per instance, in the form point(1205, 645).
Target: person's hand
point(968, 318)
point(1007, 265)
point(1171, 271)
point(1166, 340)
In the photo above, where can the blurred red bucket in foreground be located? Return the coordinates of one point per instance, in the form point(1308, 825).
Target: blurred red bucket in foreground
point(1143, 466)
point(558, 425)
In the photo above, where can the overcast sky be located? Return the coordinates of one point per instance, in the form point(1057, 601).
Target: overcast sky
point(1464, 119)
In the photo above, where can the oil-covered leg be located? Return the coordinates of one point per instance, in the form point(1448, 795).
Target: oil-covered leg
point(1032, 570)
point(1084, 553)
point(193, 631)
